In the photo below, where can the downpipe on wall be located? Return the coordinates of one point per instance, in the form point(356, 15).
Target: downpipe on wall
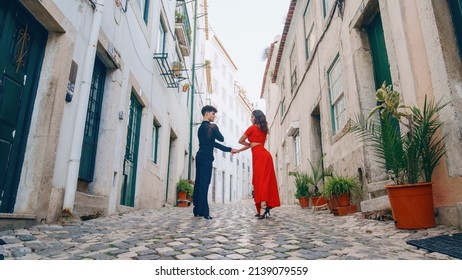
point(82, 106)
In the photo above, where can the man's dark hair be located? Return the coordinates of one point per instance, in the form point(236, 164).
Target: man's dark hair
point(208, 108)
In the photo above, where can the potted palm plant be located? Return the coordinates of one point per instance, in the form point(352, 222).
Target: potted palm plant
point(318, 174)
point(408, 145)
point(302, 189)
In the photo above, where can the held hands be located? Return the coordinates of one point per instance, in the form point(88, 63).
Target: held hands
point(234, 151)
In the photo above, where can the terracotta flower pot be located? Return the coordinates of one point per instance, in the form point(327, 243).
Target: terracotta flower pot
point(304, 202)
point(318, 201)
point(182, 196)
point(343, 200)
point(412, 205)
point(332, 202)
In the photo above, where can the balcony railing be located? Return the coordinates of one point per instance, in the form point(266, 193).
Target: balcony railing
point(171, 78)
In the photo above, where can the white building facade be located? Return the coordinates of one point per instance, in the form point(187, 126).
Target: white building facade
point(103, 126)
point(231, 175)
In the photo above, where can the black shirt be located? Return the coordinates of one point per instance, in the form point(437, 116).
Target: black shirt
point(207, 134)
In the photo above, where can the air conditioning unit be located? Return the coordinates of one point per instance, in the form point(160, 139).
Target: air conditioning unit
point(293, 128)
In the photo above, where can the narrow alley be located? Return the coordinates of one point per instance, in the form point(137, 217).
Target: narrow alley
point(233, 233)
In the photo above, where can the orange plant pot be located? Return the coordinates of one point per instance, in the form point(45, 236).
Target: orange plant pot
point(412, 205)
point(182, 196)
point(332, 203)
point(343, 200)
point(318, 201)
point(304, 202)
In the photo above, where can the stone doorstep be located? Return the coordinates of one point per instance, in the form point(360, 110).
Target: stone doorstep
point(375, 204)
point(17, 216)
point(10, 221)
point(378, 186)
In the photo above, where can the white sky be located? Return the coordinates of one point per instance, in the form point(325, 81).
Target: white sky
point(246, 28)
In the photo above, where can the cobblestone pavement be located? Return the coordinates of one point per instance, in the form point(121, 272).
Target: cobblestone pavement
point(233, 233)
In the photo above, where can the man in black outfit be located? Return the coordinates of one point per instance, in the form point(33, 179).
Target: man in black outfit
point(207, 134)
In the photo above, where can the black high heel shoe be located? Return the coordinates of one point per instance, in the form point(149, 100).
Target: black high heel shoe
point(265, 214)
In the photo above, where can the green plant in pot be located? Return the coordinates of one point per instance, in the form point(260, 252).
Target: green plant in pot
point(302, 192)
point(409, 146)
point(179, 16)
point(177, 68)
point(184, 189)
point(339, 190)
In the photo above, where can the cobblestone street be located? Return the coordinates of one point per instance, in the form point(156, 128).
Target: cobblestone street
point(233, 233)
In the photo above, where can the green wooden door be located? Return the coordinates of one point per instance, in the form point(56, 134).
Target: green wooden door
point(131, 153)
point(22, 44)
point(90, 138)
point(380, 62)
point(379, 54)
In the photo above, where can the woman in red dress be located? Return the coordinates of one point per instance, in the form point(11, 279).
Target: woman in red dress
point(266, 193)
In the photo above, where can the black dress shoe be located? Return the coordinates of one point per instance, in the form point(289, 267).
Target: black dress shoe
point(207, 217)
point(2, 242)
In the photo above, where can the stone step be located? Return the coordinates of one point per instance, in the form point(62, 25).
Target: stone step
point(16, 221)
point(378, 186)
point(375, 204)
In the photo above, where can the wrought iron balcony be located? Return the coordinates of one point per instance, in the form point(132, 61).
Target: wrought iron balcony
point(172, 78)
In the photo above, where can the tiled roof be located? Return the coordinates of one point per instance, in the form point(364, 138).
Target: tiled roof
point(283, 38)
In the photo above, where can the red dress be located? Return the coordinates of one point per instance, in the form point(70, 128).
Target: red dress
point(263, 176)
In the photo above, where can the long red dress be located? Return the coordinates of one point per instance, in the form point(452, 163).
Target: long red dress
point(263, 177)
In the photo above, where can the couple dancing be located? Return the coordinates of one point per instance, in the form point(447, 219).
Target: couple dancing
point(266, 194)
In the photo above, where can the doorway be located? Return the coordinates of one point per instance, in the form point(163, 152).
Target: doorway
point(23, 42)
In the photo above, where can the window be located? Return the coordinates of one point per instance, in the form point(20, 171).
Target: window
point(155, 141)
point(293, 70)
point(223, 70)
point(310, 36)
point(224, 119)
point(309, 42)
point(327, 5)
point(214, 86)
point(335, 81)
point(282, 108)
point(143, 5)
point(161, 38)
point(455, 6)
point(298, 153)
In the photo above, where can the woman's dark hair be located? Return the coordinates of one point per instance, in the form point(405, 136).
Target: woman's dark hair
point(260, 120)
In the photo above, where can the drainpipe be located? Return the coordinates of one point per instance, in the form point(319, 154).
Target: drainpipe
point(82, 106)
point(193, 78)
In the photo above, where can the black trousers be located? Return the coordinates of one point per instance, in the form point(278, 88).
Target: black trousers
point(201, 187)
